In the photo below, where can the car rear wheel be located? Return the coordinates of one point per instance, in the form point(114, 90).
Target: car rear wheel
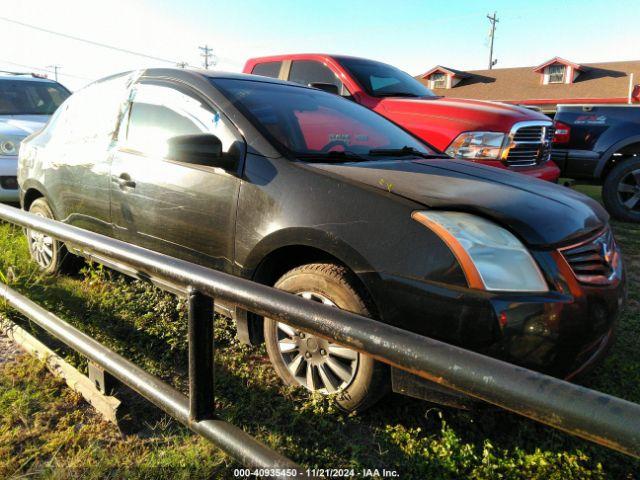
point(318, 364)
point(621, 190)
point(50, 254)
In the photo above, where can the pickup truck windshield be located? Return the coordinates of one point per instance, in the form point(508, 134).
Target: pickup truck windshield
point(311, 124)
point(382, 80)
point(24, 97)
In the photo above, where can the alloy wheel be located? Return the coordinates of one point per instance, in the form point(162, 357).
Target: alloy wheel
point(41, 246)
point(316, 363)
point(629, 190)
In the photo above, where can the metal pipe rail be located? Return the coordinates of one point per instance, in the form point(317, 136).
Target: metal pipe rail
point(595, 416)
point(229, 438)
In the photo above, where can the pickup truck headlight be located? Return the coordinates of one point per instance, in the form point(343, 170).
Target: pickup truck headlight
point(491, 257)
point(477, 146)
point(7, 147)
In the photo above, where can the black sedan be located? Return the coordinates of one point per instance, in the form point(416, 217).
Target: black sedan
point(294, 187)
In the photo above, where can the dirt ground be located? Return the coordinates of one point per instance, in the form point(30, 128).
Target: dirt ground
point(8, 349)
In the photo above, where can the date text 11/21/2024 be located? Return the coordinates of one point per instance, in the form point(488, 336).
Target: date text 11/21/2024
point(316, 472)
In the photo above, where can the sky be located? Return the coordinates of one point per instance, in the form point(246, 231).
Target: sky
point(414, 35)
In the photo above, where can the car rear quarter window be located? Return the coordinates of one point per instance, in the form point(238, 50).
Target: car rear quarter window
point(267, 69)
point(310, 71)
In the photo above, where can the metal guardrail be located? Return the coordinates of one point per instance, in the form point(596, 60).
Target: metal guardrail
point(601, 418)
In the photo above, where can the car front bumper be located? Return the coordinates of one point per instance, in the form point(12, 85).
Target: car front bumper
point(560, 333)
point(8, 173)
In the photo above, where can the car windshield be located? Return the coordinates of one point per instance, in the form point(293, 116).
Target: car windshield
point(308, 123)
point(24, 97)
point(382, 80)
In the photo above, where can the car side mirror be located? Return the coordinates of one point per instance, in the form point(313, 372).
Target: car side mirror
point(326, 87)
point(199, 149)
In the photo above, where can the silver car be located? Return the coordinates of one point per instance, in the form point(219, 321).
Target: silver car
point(26, 103)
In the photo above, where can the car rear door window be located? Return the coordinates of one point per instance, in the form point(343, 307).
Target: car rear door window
point(267, 69)
point(91, 115)
point(310, 71)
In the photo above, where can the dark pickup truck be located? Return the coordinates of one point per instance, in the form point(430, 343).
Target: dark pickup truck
point(601, 144)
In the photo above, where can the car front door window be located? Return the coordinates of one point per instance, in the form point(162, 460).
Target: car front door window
point(159, 114)
point(180, 209)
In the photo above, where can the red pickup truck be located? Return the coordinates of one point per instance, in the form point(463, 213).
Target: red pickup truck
point(496, 134)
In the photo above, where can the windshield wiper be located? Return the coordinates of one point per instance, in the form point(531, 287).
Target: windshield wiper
point(404, 152)
point(342, 156)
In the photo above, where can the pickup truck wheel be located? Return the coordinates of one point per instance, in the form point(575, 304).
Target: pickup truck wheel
point(318, 364)
point(621, 190)
point(50, 254)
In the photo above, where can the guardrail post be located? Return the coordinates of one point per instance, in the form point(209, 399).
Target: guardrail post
point(201, 349)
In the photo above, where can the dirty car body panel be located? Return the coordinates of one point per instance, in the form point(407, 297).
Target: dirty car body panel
point(355, 211)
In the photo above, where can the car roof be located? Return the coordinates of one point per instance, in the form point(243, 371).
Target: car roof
point(213, 74)
point(24, 77)
point(293, 56)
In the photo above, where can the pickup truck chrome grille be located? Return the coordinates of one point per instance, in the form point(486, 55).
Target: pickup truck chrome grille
point(592, 261)
point(530, 144)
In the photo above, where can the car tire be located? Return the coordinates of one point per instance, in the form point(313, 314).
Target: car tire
point(298, 358)
point(50, 254)
point(621, 190)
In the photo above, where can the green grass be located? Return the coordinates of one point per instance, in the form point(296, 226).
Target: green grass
point(45, 430)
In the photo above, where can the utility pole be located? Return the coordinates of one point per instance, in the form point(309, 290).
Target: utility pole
point(493, 19)
point(55, 70)
point(207, 54)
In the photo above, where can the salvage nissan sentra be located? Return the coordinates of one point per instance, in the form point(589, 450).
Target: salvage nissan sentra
point(297, 188)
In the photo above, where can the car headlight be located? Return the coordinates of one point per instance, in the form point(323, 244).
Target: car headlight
point(477, 146)
point(7, 147)
point(491, 257)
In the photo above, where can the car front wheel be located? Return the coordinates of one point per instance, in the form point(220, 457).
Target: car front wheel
point(50, 254)
point(317, 364)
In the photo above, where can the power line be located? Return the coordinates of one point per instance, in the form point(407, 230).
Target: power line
point(45, 70)
point(493, 19)
point(90, 42)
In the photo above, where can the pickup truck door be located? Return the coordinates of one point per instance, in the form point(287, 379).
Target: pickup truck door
point(183, 210)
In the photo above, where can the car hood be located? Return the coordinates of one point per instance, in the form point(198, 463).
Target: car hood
point(439, 120)
point(540, 213)
point(475, 113)
point(22, 125)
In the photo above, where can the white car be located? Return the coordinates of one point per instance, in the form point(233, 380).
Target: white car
point(26, 103)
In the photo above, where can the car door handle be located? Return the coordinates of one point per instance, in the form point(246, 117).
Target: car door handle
point(124, 181)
